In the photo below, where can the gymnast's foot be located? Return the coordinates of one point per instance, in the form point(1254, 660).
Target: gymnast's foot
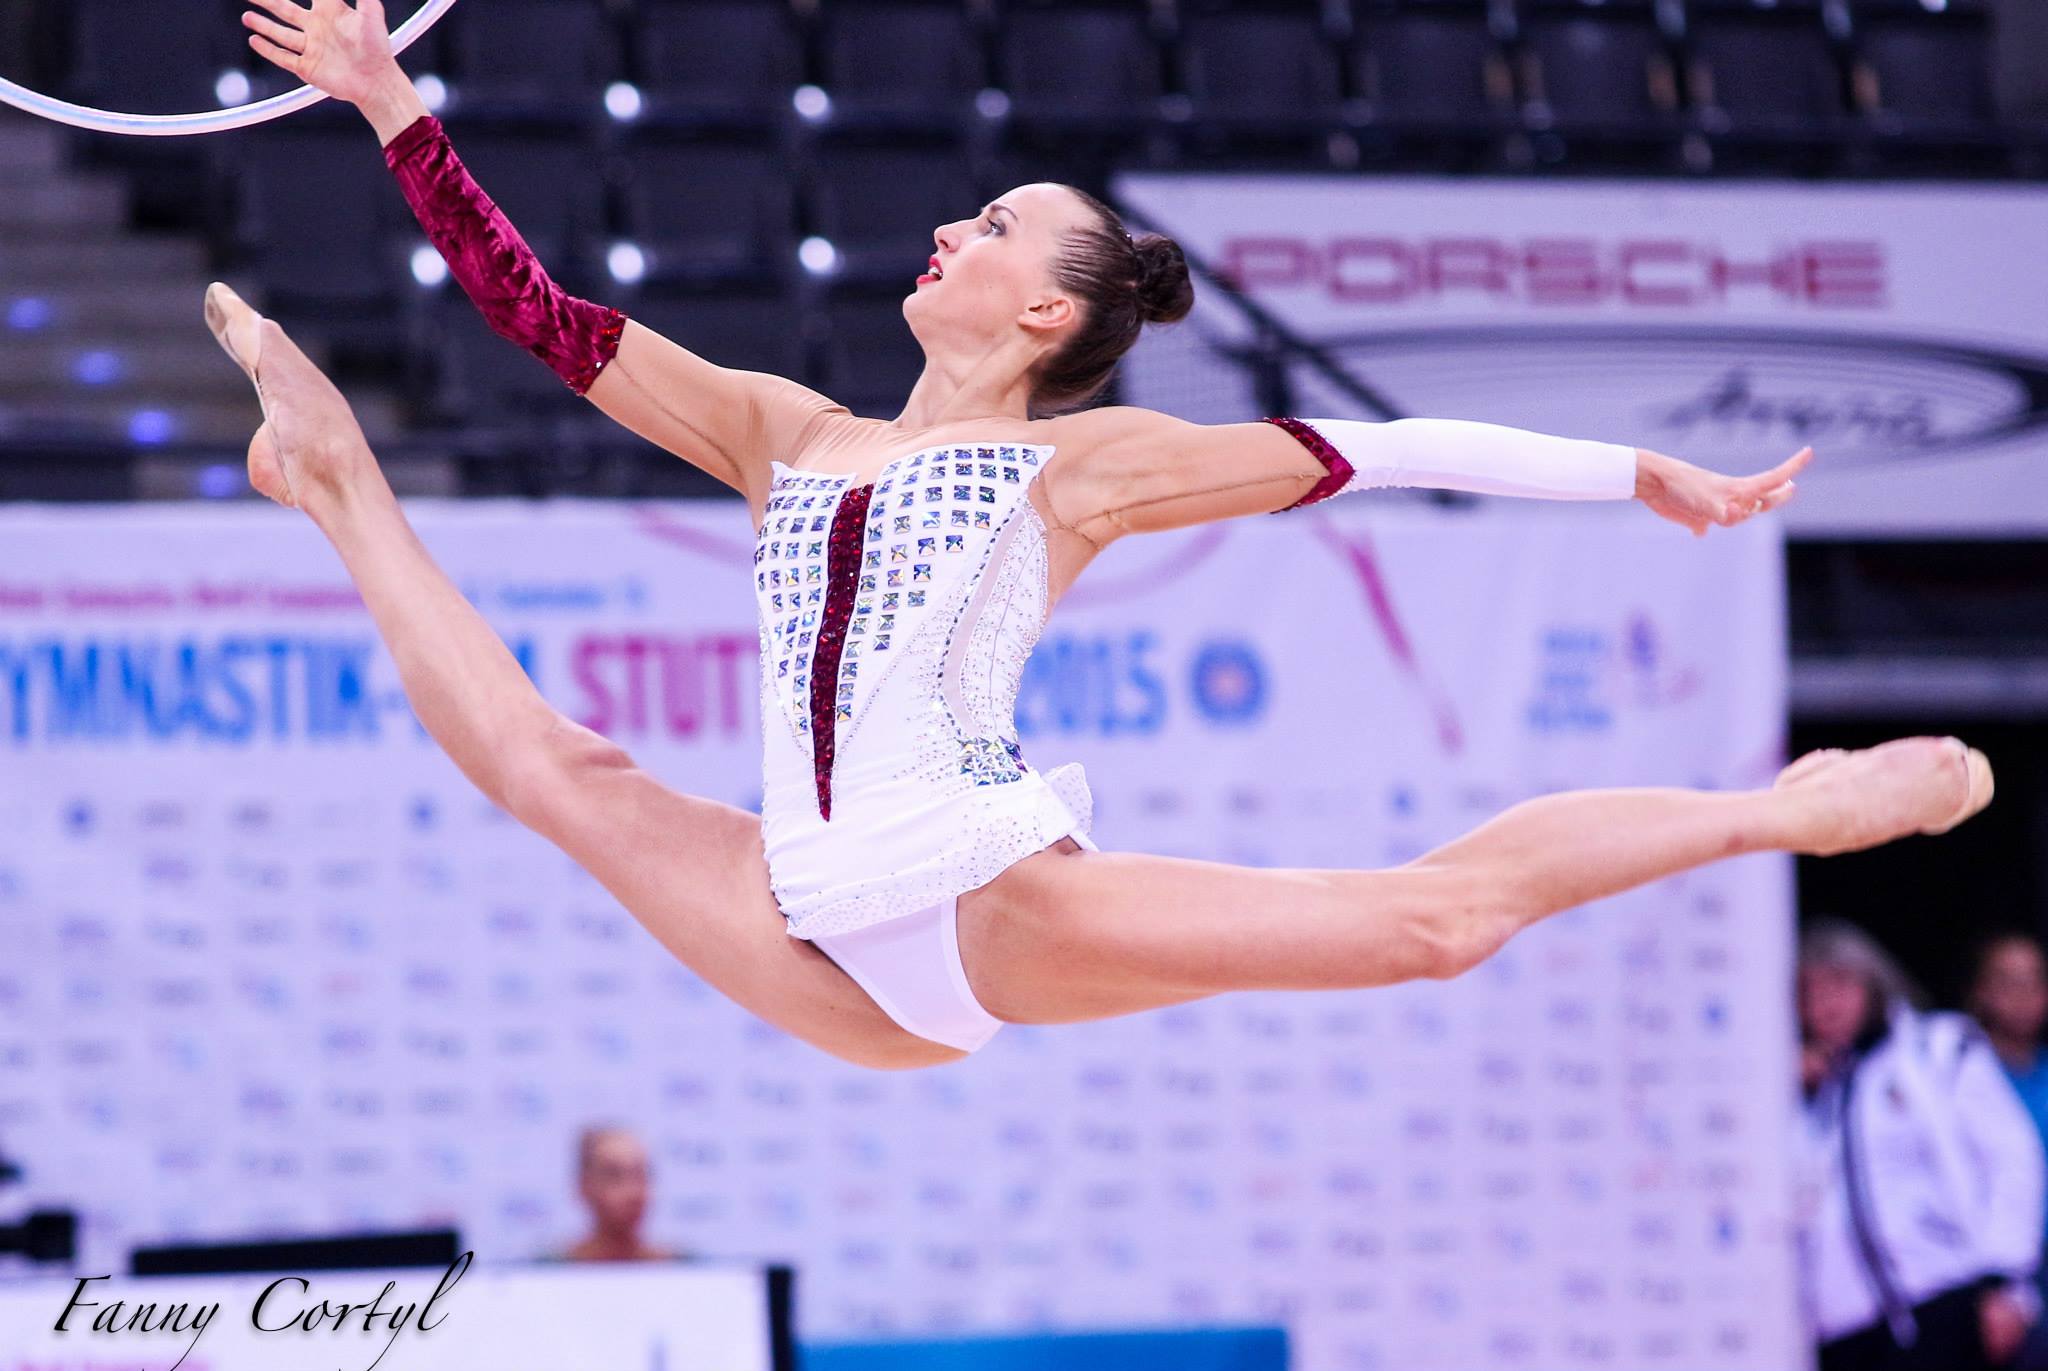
point(1855, 800)
point(309, 442)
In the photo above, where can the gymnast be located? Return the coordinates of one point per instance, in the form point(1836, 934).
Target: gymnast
point(912, 883)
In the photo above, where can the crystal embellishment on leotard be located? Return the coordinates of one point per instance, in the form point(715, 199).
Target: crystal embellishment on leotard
point(942, 624)
point(990, 761)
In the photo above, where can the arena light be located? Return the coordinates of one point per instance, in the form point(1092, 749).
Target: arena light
point(626, 262)
point(428, 266)
point(218, 482)
point(231, 89)
point(148, 427)
point(97, 367)
point(28, 314)
point(433, 91)
point(623, 102)
point(812, 104)
point(991, 103)
point(818, 256)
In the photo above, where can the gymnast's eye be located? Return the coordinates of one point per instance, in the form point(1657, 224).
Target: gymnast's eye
point(994, 227)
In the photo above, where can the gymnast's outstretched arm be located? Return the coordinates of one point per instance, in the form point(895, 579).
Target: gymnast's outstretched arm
point(1138, 471)
point(726, 421)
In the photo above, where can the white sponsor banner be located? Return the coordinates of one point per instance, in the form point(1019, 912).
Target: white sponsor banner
point(273, 967)
point(639, 1317)
point(1901, 330)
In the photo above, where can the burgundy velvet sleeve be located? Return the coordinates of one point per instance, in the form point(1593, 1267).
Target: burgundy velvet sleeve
point(494, 265)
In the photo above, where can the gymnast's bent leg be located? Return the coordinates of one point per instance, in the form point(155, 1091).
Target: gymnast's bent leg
point(690, 870)
point(1067, 936)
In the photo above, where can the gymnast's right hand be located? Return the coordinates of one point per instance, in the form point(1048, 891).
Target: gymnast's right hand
point(337, 48)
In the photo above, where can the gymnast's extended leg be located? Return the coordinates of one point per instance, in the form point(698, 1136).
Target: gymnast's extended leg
point(1065, 936)
point(690, 869)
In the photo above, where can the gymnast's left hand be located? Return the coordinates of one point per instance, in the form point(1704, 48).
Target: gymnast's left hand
point(1699, 499)
point(341, 49)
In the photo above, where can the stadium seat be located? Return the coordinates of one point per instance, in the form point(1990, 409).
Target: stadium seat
point(1272, 67)
point(1439, 66)
point(871, 359)
point(900, 62)
point(716, 60)
point(879, 197)
point(479, 379)
point(151, 56)
point(544, 176)
point(1596, 69)
point(1080, 65)
point(757, 329)
point(317, 214)
point(543, 57)
point(1923, 70)
point(708, 205)
point(1765, 84)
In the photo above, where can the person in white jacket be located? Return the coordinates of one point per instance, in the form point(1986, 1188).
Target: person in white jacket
point(1920, 1175)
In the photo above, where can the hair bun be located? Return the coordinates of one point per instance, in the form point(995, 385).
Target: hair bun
point(1165, 294)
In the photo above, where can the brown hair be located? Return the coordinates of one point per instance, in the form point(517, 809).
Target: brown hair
point(1122, 284)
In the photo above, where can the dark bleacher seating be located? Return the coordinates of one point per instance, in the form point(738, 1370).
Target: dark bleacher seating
point(716, 60)
point(319, 218)
point(151, 56)
point(544, 176)
point(708, 204)
point(758, 329)
point(1921, 79)
point(1601, 74)
point(1432, 65)
point(1432, 84)
point(1765, 83)
point(1081, 66)
point(530, 56)
point(1263, 78)
point(871, 359)
point(1923, 70)
point(900, 62)
point(477, 377)
point(879, 197)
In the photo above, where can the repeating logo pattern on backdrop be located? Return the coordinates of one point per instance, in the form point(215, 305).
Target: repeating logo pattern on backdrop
point(306, 980)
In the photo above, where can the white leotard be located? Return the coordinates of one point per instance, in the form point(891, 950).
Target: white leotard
point(940, 591)
point(928, 789)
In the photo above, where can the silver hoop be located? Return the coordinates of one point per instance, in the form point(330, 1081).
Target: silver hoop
point(212, 121)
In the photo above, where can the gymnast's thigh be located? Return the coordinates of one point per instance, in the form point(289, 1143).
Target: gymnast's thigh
point(1069, 935)
point(693, 871)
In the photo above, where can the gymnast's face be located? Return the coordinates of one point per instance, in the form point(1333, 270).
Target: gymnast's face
point(991, 276)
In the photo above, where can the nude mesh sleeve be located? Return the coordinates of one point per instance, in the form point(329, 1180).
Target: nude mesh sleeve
point(1461, 454)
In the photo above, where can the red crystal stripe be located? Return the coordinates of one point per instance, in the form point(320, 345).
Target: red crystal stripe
point(842, 568)
point(1325, 452)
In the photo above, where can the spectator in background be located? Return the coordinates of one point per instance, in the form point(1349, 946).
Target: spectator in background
point(612, 1175)
point(1920, 1178)
point(2009, 996)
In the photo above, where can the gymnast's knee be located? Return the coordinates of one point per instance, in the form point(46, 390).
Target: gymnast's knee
point(546, 780)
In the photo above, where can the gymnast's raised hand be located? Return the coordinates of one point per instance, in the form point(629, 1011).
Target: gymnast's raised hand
point(328, 44)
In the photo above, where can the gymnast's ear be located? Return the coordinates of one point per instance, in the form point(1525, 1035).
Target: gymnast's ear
point(1048, 313)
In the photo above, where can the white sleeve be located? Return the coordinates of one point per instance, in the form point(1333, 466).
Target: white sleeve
point(1464, 454)
point(2006, 1150)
